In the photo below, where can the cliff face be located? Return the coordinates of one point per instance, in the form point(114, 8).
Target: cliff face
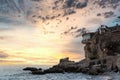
point(105, 42)
point(103, 46)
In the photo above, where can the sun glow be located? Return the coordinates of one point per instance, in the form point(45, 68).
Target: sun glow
point(41, 45)
point(38, 56)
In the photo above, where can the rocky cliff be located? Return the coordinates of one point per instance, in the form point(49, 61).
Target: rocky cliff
point(104, 42)
point(103, 47)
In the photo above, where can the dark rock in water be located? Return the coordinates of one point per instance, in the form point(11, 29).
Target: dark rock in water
point(54, 69)
point(70, 69)
point(30, 69)
point(40, 69)
point(84, 70)
point(95, 70)
point(34, 70)
point(38, 72)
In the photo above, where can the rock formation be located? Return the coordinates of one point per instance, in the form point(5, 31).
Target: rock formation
point(102, 54)
point(103, 47)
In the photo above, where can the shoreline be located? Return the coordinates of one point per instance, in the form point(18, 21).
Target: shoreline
point(102, 54)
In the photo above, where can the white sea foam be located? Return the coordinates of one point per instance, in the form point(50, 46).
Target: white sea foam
point(16, 73)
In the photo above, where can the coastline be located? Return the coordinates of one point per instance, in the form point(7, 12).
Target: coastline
point(101, 54)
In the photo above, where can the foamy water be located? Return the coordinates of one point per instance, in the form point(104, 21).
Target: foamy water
point(16, 73)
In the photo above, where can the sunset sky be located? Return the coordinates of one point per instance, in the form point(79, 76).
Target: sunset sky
point(40, 32)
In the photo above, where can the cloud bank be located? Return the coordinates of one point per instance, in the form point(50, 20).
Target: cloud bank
point(51, 28)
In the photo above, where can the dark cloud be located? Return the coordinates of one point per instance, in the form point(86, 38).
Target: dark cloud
point(70, 5)
point(80, 32)
point(75, 32)
point(118, 17)
point(69, 30)
point(108, 14)
point(69, 12)
point(82, 5)
point(99, 14)
point(3, 54)
point(75, 3)
point(65, 8)
point(105, 3)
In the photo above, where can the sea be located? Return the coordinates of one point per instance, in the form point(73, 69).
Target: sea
point(16, 73)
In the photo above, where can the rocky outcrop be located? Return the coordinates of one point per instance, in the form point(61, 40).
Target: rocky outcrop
point(34, 70)
point(102, 54)
point(30, 69)
point(67, 66)
point(103, 47)
point(104, 42)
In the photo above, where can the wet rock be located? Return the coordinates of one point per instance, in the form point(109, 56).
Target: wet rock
point(38, 72)
point(30, 69)
point(40, 69)
point(95, 70)
point(54, 69)
point(85, 70)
